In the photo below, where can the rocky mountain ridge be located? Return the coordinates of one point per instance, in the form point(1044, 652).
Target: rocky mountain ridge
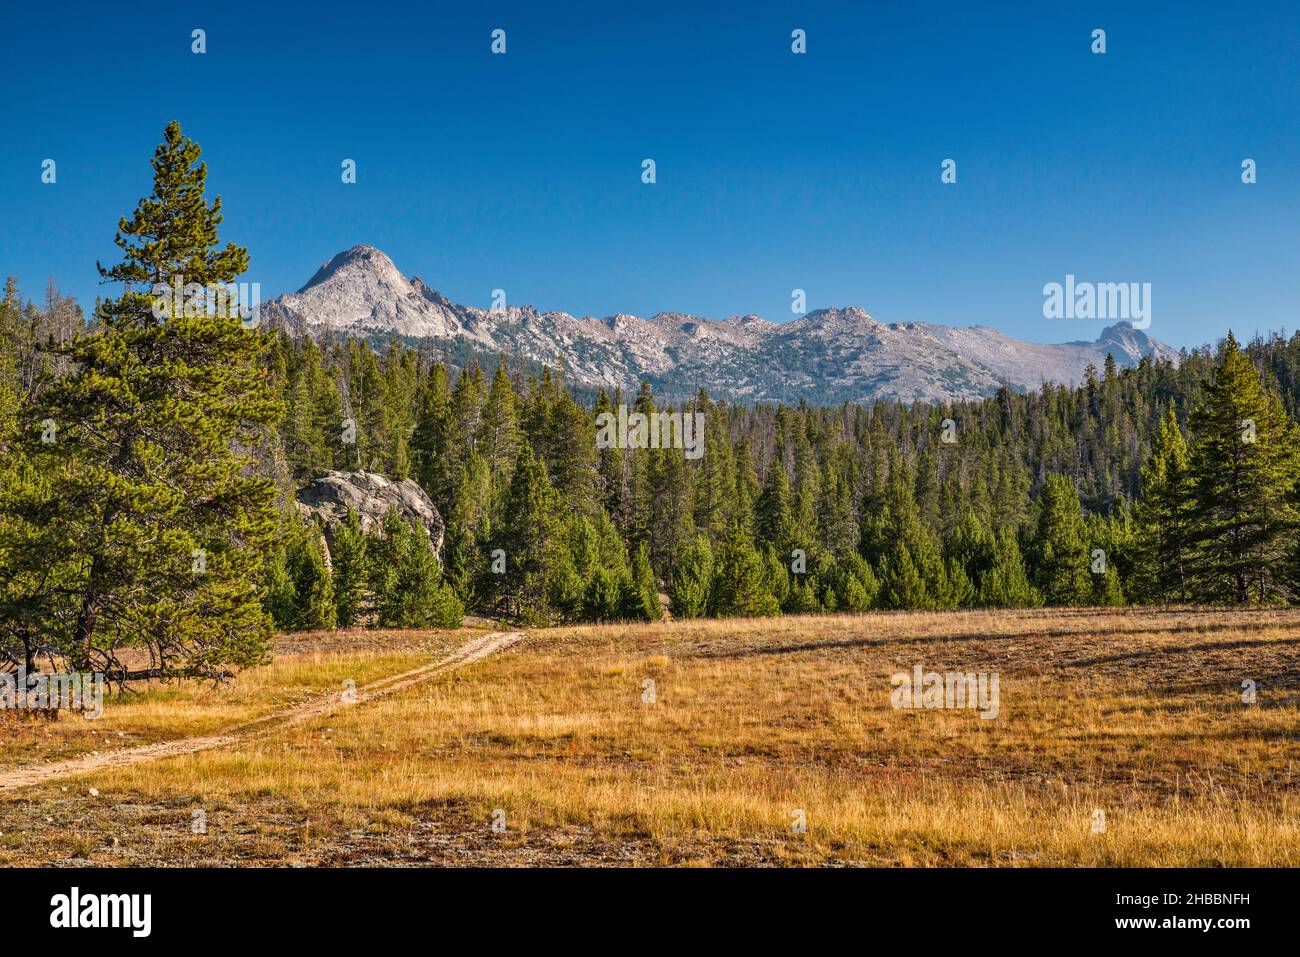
point(829, 355)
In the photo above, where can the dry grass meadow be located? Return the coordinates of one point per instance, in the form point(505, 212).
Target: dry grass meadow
point(1137, 713)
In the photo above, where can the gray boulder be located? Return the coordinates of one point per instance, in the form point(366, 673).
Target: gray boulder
point(329, 497)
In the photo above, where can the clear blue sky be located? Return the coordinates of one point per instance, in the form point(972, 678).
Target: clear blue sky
point(775, 171)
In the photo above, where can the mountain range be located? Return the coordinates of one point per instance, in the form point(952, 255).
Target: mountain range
point(826, 356)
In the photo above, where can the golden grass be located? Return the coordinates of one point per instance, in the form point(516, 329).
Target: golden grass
point(1136, 713)
point(304, 666)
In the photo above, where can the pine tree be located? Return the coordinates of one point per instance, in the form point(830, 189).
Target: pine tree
point(469, 532)
point(856, 583)
point(29, 595)
point(1106, 589)
point(740, 584)
point(304, 444)
point(610, 481)
point(152, 524)
point(960, 592)
point(348, 560)
point(631, 599)
point(1061, 560)
point(446, 610)
point(640, 519)
point(499, 428)
point(1244, 463)
point(689, 590)
point(672, 521)
point(466, 414)
point(856, 596)
point(527, 536)
point(1163, 517)
point(405, 579)
point(1006, 583)
point(777, 576)
point(433, 443)
point(802, 598)
point(30, 589)
point(773, 524)
point(10, 346)
point(644, 602)
point(714, 489)
point(300, 592)
point(901, 584)
point(972, 546)
point(838, 521)
point(313, 413)
point(573, 466)
point(365, 410)
point(583, 542)
point(565, 587)
point(601, 599)
point(279, 592)
point(807, 493)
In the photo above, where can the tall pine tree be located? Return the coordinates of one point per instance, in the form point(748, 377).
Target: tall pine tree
point(153, 522)
point(1244, 462)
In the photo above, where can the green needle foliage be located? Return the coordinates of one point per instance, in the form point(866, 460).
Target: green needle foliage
point(147, 528)
point(1060, 556)
point(134, 515)
point(1242, 508)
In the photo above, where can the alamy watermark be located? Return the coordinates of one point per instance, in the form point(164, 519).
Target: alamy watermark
point(192, 299)
point(949, 689)
point(1101, 300)
point(71, 691)
point(654, 430)
point(75, 909)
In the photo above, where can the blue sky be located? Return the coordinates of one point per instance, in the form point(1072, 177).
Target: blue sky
point(775, 171)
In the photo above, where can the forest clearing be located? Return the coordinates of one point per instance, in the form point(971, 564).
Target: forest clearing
point(1123, 737)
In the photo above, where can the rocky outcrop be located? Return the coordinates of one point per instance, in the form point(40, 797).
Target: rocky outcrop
point(370, 495)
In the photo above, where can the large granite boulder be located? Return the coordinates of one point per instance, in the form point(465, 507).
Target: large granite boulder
point(329, 497)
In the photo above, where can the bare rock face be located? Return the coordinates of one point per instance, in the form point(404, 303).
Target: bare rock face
point(829, 355)
point(370, 495)
point(360, 288)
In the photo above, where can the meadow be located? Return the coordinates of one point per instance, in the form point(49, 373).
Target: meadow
point(1122, 737)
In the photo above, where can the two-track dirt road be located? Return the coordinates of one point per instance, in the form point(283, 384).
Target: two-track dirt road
point(469, 653)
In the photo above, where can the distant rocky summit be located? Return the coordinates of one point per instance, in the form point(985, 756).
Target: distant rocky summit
point(826, 356)
point(329, 497)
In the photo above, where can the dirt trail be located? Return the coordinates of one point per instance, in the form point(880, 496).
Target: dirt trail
point(472, 651)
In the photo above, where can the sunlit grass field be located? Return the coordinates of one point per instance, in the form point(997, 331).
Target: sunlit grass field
point(304, 666)
point(1122, 739)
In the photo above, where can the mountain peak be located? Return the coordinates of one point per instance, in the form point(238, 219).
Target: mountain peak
point(833, 355)
point(360, 256)
point(361, 291)
point(848, 314)
point(1133, 342)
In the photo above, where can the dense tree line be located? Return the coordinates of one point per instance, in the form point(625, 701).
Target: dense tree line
point(389, 577)
point(147, 472)
point(1162, 482)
